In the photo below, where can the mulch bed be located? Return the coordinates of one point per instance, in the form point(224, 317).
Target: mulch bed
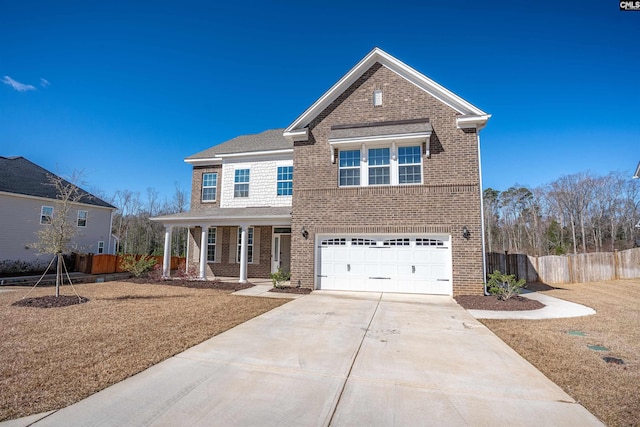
point(195, 284)
point(50, 301)
point(491, 302)
point(290, 290)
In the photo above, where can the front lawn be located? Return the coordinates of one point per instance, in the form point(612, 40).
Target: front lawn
point(560, 348)
point(53, 357)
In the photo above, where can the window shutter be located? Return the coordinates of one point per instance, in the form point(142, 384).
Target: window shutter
point(256, 245)
point(233, 245)
point(218, 250)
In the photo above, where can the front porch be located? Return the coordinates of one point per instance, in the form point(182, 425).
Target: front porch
point(232, 242)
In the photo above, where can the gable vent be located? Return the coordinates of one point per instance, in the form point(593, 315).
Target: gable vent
point(377, 98)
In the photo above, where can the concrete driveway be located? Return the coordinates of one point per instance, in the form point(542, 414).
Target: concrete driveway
point(341, 359)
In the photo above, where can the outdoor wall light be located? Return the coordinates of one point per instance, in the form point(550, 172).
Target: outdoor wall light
point(305, 233)
point(465, 232)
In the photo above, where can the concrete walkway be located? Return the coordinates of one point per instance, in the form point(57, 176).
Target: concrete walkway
point(555, 308)
point(340, 359)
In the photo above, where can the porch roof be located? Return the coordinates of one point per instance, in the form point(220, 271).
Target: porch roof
point(269, 215)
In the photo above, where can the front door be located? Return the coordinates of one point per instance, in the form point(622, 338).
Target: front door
point(281, 251)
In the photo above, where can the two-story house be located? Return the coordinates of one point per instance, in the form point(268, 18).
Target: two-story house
point(27, 204)
point(375, 187)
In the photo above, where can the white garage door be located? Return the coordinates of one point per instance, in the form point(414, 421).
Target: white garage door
point(385, 264)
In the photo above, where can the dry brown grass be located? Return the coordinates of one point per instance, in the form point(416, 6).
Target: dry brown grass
point(54, 357)
point(609, 391)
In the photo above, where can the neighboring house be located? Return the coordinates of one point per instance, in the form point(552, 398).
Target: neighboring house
point(375, 187)
point(28, 201)
point(637, 174)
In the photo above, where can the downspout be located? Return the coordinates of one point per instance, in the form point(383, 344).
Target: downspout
point(484, 254)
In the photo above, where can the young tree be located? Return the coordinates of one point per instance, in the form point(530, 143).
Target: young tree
point(56, 235)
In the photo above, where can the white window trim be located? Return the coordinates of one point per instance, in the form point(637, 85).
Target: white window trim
point(340, 168)
point(241, 183)
point(250, 242)
point(100, 247)
point(42, 215)
point(284, 180)
point(394, 166)
point(215, 188)
point(209, 245)
point(86, 218)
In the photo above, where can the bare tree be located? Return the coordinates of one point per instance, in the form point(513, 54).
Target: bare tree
point(56, 236)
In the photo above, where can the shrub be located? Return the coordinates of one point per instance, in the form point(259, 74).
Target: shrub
point(185, 273)
point(279, 277)
point(156, 273)
point(139, 266)
point(504, 286)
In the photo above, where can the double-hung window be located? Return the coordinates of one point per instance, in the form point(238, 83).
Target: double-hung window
point(211, 244)
point(249, 244)
point(100, 247)
point(82, 218)
point(409, 165)
point(285, 180)
point(241, 183)
point(379, 166)
point(349, 163)
point(46, 215)
point(209, 186)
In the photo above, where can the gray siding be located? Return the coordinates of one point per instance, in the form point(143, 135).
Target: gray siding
point(20, 219)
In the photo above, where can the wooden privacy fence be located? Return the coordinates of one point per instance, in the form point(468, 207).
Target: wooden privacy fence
point(105, 264)
point(556, 269)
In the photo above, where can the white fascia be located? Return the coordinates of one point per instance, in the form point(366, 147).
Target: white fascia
point(472, 121)
point(256, 153)
point(204, 162)
point(297, 135)
point(402, 138)
point(275, 220)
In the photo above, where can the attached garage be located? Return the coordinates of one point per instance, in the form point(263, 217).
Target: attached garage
point(385, 263)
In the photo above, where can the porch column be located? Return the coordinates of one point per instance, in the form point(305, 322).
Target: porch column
point(243, 254)
point(166, 261)
point(203, 253)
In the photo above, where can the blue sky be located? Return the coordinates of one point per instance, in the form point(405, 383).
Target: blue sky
point(126, 90)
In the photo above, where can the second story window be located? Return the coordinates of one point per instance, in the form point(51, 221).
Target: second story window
point(209, 186)
point(379, 169)
point(241, 183)
point(46, 215)
point(409, 165)
point(349, 167)
point(285, 180)
point(82, 218)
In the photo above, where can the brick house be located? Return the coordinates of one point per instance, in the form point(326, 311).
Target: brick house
point(386, 195)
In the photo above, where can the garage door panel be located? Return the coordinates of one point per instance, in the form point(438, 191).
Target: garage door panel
point(386, 264)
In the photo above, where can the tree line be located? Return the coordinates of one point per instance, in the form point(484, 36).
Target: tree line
point(135, 231)
point(576, 213)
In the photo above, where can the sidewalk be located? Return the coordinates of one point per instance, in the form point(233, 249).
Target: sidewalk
point(555, 308)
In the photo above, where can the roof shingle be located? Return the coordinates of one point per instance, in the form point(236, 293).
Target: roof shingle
point(265, 141)
point(20, 176)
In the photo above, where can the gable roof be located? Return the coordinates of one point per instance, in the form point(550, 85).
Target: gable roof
point(637, 174)
point(267, 141)
point(20, 176)
point(470, 115)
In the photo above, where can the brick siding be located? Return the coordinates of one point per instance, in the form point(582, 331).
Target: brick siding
point(448, 199)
